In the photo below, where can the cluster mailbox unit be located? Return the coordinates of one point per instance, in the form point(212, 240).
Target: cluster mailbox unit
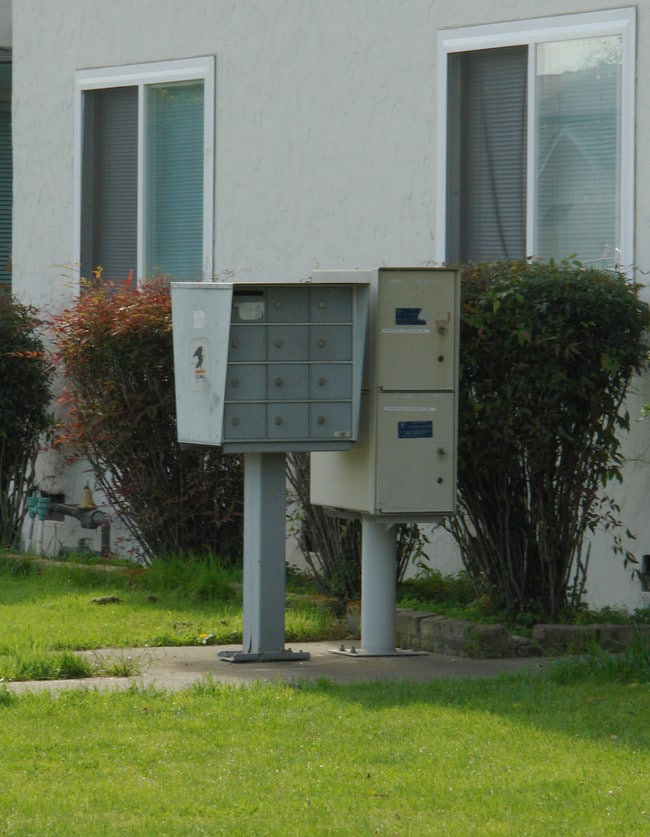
point(263, 368)
point(358, 367)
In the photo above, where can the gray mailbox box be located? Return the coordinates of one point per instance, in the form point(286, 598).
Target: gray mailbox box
point(263, 367)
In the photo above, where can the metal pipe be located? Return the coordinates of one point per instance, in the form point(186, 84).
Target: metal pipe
point(89, 519)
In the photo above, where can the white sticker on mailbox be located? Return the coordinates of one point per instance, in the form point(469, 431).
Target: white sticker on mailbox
point(253, 310)
point(199, 319)
point(199, 364)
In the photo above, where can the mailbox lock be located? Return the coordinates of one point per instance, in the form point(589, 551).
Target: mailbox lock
point(322, 343)
point(234, 421)
point(278, 382)
point(441, 452)
point(320, 420)
point(277, 420)
point(234, 382)
point(441, 358)
point(440, 480)
point(278, 304)
point(321, 382)
point(442, 330)
point(235, 344)
point(278, 343)
point(321, 303)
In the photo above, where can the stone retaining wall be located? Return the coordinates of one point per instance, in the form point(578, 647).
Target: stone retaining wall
point(422, 631)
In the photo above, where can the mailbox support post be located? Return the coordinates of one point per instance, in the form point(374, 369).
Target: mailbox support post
point(264, 562)
point(378, 586)
point(378, 592)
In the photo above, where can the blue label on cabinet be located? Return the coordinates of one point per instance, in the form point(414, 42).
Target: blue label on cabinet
point(414, 429)
point(409, 317)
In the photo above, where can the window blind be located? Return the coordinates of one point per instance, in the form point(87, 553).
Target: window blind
point(110, 183)
point(487, 106)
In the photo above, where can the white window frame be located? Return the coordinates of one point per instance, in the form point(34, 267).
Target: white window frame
point(140, 76)
point(530, 33)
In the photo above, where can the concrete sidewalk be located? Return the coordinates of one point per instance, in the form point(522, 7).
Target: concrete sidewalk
point(180, 667)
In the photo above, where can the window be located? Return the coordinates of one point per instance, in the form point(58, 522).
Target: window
point(538, 131)
point(6, 169)
point(145, 172)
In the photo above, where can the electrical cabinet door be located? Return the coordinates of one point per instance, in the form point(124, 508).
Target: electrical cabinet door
point(415, 467)
point(416, 330)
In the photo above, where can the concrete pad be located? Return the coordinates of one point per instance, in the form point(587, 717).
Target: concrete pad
point(180, 667)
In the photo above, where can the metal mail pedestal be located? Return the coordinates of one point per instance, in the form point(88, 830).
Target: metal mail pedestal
point(264, 562)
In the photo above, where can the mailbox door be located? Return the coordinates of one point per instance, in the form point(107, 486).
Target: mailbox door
point(416, 330)
point(244, 421)
point(285, 420)
point(247, 343)
point(330, 304)
point(330, 420)
point(200, 314)
point(330, 381)
point(415, 468)
point(246, 382)
point(287, 381)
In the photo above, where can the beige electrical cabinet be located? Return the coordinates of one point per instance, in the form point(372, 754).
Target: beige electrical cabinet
point(269, 367)
point(403, 466)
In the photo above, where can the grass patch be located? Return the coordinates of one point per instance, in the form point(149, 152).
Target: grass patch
point(53, 611)
point(39, 665)
point(632, 666)
point(10, 566)
point(88, 558)
point(518, 755)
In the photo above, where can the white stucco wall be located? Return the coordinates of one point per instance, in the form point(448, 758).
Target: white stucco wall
point(326, 144)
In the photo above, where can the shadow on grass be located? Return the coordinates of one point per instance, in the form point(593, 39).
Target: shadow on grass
point(599, 696)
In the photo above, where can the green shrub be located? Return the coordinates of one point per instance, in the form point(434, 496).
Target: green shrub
point(433, 590)
point(116, 347)
point(548, 352)
point(25, 375)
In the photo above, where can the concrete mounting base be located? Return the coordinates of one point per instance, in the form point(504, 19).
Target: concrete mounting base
point(359, 652)
point(284, 656)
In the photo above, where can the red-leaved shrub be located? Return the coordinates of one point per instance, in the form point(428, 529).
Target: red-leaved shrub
point(115, 345)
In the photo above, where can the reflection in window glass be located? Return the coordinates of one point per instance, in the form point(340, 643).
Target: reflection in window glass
point(174, 193)
point(578, 149)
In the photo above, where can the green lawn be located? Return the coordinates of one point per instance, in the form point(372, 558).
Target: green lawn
point(560, 753)
point(521, 756)
point(47, 614)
